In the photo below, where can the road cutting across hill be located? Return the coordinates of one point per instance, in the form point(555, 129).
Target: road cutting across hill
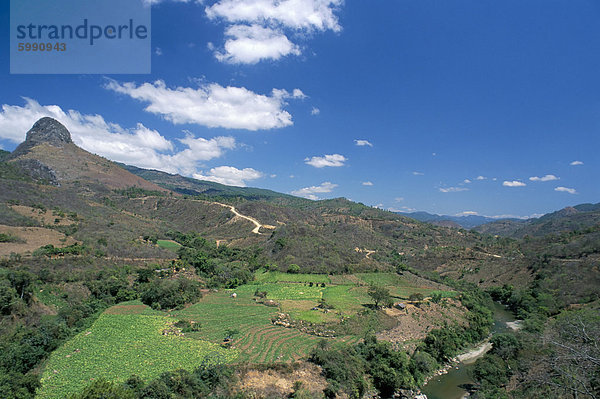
point(258, 225)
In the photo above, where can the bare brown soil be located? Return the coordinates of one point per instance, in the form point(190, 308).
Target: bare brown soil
point(415, 322)
point(258, 384)
point(33, 237)
point(46, 218)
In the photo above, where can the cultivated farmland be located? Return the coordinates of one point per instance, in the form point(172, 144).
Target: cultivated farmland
point(125, 340)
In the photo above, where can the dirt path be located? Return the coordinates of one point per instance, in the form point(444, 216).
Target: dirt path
point(367, 252)
point(258, 225)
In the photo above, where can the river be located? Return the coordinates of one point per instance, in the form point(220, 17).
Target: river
point(450, 386)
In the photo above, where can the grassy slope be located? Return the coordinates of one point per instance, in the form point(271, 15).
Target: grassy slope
point(125, 340)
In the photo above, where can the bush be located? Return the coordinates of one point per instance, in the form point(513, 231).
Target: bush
point(171, 294)
point(294, 269)
point(103, 389)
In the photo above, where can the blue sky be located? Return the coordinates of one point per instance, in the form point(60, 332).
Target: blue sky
point(479, 106)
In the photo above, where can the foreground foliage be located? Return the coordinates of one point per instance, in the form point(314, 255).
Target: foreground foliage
point(119, 345)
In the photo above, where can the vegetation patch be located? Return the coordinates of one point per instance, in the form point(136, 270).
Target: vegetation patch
point(257, 339)
point(168, 244)
point(119, 345)
point(275, 277)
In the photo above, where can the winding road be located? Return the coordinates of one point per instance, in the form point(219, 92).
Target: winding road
point(258, 225)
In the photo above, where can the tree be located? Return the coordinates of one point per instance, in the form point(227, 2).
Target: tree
point(572, 367)
point(294, 268)
point(380, 295)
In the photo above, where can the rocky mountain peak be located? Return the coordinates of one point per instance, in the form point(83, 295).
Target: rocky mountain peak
point(46, 130)
point(49, 130)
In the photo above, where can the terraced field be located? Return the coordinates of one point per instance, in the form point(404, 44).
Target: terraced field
point(258, 340)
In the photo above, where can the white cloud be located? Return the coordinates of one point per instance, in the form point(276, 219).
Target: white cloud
point(363, 143)
point(333, 160)
point(256, 27)
point(315, 111)
point(514, 183)
point(453, 189)
point(309, 192)
point(418, 173)
point(230, 175)
point(212, 105)
point(158, 51)
point(250, 44)
point(576, 163)
point(139, 145)
point(544, 178)
point(297, 93)
point(480, 178)
point(294, 14)
point(566, 190)
point(466, 181)
point(399, 199)
point(367, 183)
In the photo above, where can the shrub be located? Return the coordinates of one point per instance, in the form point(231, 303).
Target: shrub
point(294, 269)
point(171, 294)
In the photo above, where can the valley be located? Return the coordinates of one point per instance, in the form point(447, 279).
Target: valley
point(124, 280)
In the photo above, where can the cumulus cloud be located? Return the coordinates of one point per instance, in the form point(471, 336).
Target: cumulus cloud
point(212, 105)
point(255, 30)
point(363, 143)
point(566, 190)
point(367, 183)
point(466, 181)
point(544, 178)
point(514, 183)
point(139, 145)
point(294, 14)
point(576, 163)
point(315, 111)
point(309, 192)
point(249, 44)
point(230, 175)
point(333, 160)
point(415, 173)
point(480, 178)
point(453, 189)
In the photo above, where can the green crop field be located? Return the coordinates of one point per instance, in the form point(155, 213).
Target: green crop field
point(276, 277)
point(168, 244)
point(119, 345)
point(258, 340)
point(127, 338)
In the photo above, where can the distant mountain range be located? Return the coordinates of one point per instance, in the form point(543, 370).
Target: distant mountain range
point(571, 218)
point(467, 222)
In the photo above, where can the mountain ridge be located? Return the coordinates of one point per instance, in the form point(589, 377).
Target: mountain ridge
point(49, 154)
